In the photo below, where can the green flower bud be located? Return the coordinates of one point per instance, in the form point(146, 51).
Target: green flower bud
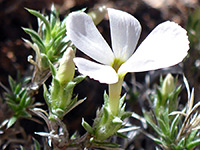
point(168, 86)
point(98, 15)
point(66, 69)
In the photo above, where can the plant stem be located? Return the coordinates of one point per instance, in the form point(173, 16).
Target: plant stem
point(114, 96)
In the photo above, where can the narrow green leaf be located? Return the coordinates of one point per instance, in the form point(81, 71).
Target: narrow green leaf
point(46, 95)
point(174, 125)
point(152, 124)
point(105, 115)
point(60, 46)
point(39, 15)
point(74, 103)
point(193, 144)
point(163, 126)
point(126, 115)
point(12, 105)
point(12, 83)
point(17, 89)
point(158, 141)
point(25, 114)
point(36, 144)
point(87, 127)
point(23, 100)
point(53, 69)
point(69, 86)
point(181, 144)
point(53, 16)
point(191, 137)
point(50, 55)
point(28, 101)
point(121, 135)
point(79, 78)
point(159, 96)
point(57, 39)
point(11, 121)
point(36, 38)
point(61, 33)
point(55, 89)
point(105, 99)
point(165, 117)
point(117, 120)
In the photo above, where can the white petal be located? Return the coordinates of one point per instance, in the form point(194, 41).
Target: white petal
point(85, 36)
point(102, 73)
point(125, 32)
point(166, 45)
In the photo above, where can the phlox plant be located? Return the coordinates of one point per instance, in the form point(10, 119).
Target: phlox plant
point(56, 43)
point(165, 46)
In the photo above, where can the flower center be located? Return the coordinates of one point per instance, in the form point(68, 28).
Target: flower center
point(117, 63)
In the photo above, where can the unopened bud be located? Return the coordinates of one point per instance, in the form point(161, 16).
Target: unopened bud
point(168, 85)
point(66, 69)
point(98, 15)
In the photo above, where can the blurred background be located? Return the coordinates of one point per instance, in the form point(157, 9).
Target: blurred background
point(14, 52)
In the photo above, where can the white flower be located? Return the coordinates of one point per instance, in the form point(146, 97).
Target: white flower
point(165, 46)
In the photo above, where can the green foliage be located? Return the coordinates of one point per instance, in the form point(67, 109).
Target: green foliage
point(18, 100)
point(50, 37)
point(87, 127)
point(59, 96)
point(105, 124)
point(175, 129)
